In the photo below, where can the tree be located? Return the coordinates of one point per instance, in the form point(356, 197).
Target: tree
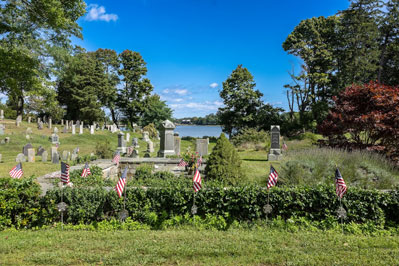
point(132, 100)
point(224, 162)
point(241, 101)
point(156, 111)
point(368, 114)
point(79, 88)
point(32, 34)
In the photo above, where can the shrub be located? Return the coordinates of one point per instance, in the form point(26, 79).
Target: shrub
point(104, 150)
point(251, 136)
point(223, 163)
point(144, 171)
point(152, 131)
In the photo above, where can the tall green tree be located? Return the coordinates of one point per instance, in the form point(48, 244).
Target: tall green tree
point(32, 35)
point(156, 111)
point(241, 101)
point(132, 99)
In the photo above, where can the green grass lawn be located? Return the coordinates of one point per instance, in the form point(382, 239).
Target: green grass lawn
point(192, 247)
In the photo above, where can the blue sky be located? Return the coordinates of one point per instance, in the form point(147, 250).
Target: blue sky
point(192, 46)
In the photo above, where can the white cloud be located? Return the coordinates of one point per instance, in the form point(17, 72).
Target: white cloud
point(213, 85)
point(96, 13)
point(181, 92)
point(206, 106)
point(166, 91)
point(178, 100)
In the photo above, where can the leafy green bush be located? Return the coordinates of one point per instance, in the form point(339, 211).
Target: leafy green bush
point(152, 131)
point(223, 163)
point(251, 136)
point(144, 171)
point(104, 150)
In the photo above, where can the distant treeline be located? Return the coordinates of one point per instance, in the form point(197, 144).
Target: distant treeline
point(210, 119)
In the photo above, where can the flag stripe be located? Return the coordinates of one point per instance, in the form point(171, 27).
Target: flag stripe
point(273, 177)
point(197, 181)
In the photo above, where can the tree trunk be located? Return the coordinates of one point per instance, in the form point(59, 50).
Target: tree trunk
point(20, 107)
point(113, 117)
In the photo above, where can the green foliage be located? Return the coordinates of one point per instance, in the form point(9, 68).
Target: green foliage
point(144, 171)
point(94, 179)
point(223, 163)
point(152, 131)
point(156, 111)
point(251, 136)
point(104, 149)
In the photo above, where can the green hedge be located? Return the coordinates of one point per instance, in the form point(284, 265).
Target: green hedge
point(21, 206)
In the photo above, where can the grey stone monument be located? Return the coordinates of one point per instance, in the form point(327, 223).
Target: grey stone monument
point(31, 155)
point(127, 137)
point(81, 129)
point(73, 130)
point(65, 130)
point(146, 136)
point(40, 125)
point(55, 130)
point(26, 148)
point(62, 122)
point(0, 158)
point(55, 158)
point(65, 155)
point(50, 123)
point(121, 143)
point(40, 151)
point(29, 119)
point(275, 152)
point(44, 156)
point(2, 127)
point(201, 147)
point(55, 139)
point(177, 140)
point(67, 124)
point(1, 114)
point(92, 129)
point(150, 146)
point(135, 154)
point(53, 150)
point(18, 121)
point(21, 158)
point(135, 143)
point(167, 139)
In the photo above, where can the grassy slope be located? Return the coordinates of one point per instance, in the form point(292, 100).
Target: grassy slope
point(234, 247)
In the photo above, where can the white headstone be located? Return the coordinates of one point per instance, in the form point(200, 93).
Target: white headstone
point(81, 128)
point(73, 130)
point(31, 155)
point(92, 129)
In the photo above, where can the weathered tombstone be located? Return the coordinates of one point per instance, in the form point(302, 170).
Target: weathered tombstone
point(7, 140)
point(129, 151)
point(25, 149)
point(65, 155)
point(21, 158)
point(74, 156)
point(275, 152)
point(146, 136)
point(55, 130)
point(18, 120)
point(1, 114)
point(2, 127)
point(127, 137)
point(135, 142)
point(40, 151)
point(50, 123)
point(67, 124)
point(53, 150)
point(29, 119)
point(0, 158)
point(55, 158)
point(40, 125)
point(92, 130)
point(81, 129)
point(78, 122)
point(167, 140)
point(31, 155)
point(28, 131)
point(157, 135)
point(201, 147)
point(177, 140)
point(76, 150)
point(65, 130)
point(150, 146)
point(44, 156)
point(62, 122)
point(121, 143)
point(27, 137)
point(135, 154)
point(114, 128)
point(73, 130)
point(55, 139)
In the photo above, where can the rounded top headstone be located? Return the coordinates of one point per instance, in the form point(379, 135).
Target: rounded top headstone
point(168, 124)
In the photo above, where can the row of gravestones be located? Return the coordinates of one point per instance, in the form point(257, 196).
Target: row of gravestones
point(28, 154)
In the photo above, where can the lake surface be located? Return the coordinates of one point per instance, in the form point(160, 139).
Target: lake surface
point(198, 131)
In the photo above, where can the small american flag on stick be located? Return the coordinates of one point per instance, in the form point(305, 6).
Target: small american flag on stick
point(117, 157)
point(182, 163)
point(64, 173)
point(17, 172)
point(86, 170)
point(273, 177)
point(121, 183)
point(197, 181)
point(340, 186)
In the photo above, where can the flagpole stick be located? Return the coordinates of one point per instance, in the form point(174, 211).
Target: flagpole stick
point(342, 225)
point(268, 200)
point(62, 200)
point(124, 198)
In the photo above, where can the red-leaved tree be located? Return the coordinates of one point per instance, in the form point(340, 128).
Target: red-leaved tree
point(365, 116)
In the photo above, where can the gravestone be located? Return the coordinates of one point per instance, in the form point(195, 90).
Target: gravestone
point(81, 129)
point(114, 128)
point(76, 150)
point(29, 119)
point(53, 150)
point(25, 149)
point(201, 147)
point(2, 127)
point(27, 137)
point(275, 152)
point(1, 158)
point(31, 155)
point(7, 140)
point(135, 154)
point(135, 142)
point(28, 131)
point(55, 158)
point(177, 140)
point(92, 130)
point(62, 122)
point(50, 123)
point(146, 136)
point(129, 151)
point(78, 122)
point(44, 156)
point(40, 125)
point(67, 124)
point(21, 158)
point(40, 151)
point(167, 139)
point(150, 146)
point(121, 143)
point(65, 130)
point(1, 114)
point(127, 137)
point(18, 121)
point(65, 156)
point(55, 130)
point(55, 139)
point(73, 130)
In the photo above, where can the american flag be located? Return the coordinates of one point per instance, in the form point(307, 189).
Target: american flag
point(121, 183)
point(285, 147)
point(64, 173)
point(340, 186)
point(182, 163)
point(273, 176)
point(117, 157)
point(197, 181)
point(17, 172)
point(86, 170)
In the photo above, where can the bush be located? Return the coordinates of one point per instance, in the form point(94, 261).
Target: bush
point(104, 150)
point(251, 137)
point(224, 163)
point(144, 171)
point(152, 131)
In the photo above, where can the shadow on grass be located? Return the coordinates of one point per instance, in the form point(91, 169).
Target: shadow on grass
point(255, 160)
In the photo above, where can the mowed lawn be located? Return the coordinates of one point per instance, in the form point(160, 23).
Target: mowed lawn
point(192, 247)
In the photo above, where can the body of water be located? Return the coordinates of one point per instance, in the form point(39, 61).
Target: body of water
point(198, 131)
